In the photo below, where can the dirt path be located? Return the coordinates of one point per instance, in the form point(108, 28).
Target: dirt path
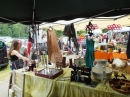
point(4, 88)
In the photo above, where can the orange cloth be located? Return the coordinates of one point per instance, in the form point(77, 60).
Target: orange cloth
point(110, 56)
point(101, 55)
point(119, 55)
point(53, 47)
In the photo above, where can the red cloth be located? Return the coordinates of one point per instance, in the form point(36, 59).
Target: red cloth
point(105, 37)
point(29, 47)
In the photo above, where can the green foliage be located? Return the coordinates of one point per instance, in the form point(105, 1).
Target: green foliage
point(104, 30)
point(81, 32)
point(59, 33)
point(14, 30)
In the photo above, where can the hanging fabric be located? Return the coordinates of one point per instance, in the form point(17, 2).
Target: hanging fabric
point(89, 56)
point(30, 39)
point(54, 52)
point(69, 31)
point(89, 52)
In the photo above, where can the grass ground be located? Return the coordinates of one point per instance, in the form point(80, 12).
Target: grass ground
point(5, 73)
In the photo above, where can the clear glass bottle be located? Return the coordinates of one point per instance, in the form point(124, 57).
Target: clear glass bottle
point(103, 78)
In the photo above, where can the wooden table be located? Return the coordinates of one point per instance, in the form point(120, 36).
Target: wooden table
point(36, 86)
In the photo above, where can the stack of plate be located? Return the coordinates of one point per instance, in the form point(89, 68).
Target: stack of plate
point(97, 75)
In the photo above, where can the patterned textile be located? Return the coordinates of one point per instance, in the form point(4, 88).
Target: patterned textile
point(69, 31)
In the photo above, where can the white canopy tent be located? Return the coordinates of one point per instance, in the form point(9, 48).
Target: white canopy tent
point(124, 29)
point(112, 32)
point(97, 31)
point(80, 23)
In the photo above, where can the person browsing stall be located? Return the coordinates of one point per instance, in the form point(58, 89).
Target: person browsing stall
point(14, 54)
point(23, 52)
point(110, 43)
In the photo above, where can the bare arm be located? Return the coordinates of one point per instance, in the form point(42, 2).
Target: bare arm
point(14, 52)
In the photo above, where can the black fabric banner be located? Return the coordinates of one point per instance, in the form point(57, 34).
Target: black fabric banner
point(128, 48)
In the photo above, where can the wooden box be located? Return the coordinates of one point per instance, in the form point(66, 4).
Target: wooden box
point(50, 73)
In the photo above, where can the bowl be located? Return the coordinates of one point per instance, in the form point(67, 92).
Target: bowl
point(97, 75)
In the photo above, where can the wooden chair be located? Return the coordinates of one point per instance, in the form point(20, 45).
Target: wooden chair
point(18, 82)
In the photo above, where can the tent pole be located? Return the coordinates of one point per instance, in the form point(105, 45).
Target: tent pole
point(33, 12)
point(109, 19)
point(36, 37)
point(8, 20)
point(28, 21)
point(34, 5)
point(102, 13)
point(121, 17)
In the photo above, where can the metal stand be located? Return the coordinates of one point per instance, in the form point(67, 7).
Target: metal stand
point(44, 60)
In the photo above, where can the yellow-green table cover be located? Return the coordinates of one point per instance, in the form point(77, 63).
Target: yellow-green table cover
point(36, 86)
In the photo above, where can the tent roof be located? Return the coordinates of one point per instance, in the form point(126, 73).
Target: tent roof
point(81, 23)
point(38, 11)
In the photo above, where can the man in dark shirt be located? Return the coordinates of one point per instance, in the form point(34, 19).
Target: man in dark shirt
point(59, 43)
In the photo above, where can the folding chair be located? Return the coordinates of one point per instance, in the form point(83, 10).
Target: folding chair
point(18, 82)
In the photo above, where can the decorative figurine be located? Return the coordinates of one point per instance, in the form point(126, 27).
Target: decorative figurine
point(59, 64)
point(72, 76)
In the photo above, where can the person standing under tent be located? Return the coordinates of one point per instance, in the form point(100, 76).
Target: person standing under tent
point(62, 43)
point(110, 44)
point(101, 38)
point(14, 54)
point(59, 43)
point(29, 46)
point(24, 52)
point(21, 63)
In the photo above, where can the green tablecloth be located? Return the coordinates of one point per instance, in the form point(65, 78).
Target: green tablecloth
point(42, 87)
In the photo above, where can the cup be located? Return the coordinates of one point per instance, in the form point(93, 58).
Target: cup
point(34, 70)
point(26, 68)
point(113, 66)
point(30, 68)
point(115, 72)
point(119, 50)
point(70, 62)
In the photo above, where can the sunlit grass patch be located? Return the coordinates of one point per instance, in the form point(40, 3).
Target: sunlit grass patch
point(5, 73)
